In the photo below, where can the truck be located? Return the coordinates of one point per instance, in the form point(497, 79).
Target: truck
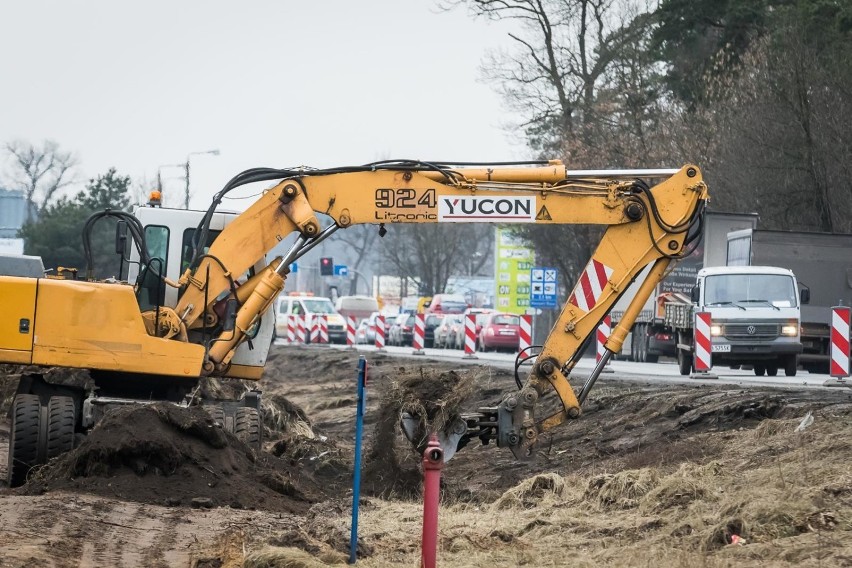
point(194, 294)
point(754, 318)
point(823, 264)
point(650, 336)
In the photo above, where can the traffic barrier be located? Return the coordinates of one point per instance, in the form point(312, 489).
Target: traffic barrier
point(602, 335)
point(703, 355)
point(301, 330)
point(470, 337)
point(380, 333)
point(525, 337)
point(419, 336)
point(314, 329)
point(323, 329)
point(433, 462)
point(840, 318)
point(291, 329)
point(350, 331)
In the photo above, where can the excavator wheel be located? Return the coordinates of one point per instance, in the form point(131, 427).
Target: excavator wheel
point(217, 413)
point(61, 419)
point(23, 438)
point(247, 427)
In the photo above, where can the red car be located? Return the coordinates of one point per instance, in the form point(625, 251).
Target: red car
point(500, 331)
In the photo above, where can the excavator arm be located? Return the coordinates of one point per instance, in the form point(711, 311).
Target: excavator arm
point(645, 225)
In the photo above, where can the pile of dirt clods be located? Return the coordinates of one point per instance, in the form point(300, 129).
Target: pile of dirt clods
point(174, 456)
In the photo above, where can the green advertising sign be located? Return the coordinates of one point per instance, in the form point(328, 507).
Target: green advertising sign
point(514, 259)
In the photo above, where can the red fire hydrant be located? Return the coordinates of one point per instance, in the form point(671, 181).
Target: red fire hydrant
point(433, 463)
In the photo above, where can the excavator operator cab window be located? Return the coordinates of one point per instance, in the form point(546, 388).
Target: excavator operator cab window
point(186, 247)
point(151, 291)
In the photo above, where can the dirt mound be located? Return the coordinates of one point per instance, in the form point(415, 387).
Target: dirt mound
point(392, 464)
point(163, 454)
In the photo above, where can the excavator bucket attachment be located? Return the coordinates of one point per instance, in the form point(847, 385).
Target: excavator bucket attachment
point(451, 436)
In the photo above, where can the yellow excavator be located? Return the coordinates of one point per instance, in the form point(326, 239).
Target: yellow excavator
point(194, 294)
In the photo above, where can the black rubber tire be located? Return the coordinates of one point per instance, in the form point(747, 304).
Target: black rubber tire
point(791, 363)
point(643, 344)
point(633, 356)
point(684, 361)
point(771, 370)
point(217, 413)
point(247, 427)
point(759, 370)
point(23, 438)
point(61, 422)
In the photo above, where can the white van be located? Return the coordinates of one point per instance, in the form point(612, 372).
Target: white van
point(356, 307)
point(310, 306)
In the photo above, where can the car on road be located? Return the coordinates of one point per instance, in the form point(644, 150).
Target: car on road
point(310, 307)
point(447, 304)
point(447, 334)
point(401, 331)
point(432, 321)
point(499, 331)
point(362, 333)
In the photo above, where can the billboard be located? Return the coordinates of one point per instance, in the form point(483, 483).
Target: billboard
point(512, 264)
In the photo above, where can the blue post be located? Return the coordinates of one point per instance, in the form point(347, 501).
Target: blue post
point(356, 479)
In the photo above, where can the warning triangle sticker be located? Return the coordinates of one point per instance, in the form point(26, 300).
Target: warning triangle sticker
point(543, 214)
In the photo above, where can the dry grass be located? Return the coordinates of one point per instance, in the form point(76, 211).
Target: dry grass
point(788, 494)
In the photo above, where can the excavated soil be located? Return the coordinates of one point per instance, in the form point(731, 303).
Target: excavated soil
point(651, 474)
point(164, 455)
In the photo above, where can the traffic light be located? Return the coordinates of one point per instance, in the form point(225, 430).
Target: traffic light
point(326, 266)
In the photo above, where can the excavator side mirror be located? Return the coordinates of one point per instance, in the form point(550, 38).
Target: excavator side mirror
point(120, 237)
point(696, 293)
point(229, 322)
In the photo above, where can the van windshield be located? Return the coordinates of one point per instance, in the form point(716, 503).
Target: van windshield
point(317, 306)
point(776, 289)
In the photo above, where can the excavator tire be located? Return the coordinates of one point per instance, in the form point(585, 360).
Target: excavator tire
point(23, 438)
point(217, 413)
point(61, 419)
point(247, 427)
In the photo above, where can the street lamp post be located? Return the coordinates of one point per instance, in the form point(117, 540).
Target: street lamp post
point(186, 172)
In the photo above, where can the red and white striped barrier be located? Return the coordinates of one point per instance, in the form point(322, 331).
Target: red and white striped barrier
point(301, 329)
point(602, 335)
point(350, 331)
point(525, 337)
point(703, 344)
point(314, 327)
point(380, 333)
point(604, 329)
point(470, 336)
point(323, 329)
point(291, 329)
point(840, 319)
point(419, 337)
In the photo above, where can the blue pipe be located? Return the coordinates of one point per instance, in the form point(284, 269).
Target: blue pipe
point(356, 478)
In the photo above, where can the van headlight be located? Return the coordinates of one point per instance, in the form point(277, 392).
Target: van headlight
point(715, 330)
point(790, 330)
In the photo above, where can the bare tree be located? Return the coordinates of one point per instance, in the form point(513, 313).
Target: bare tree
point(362, 240)
point(40, 172)
point(431, 254)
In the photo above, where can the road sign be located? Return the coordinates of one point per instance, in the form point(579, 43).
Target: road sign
point(512, 264)
point(543, 287)
point(341, 270)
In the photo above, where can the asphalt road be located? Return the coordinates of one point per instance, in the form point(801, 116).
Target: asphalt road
point(666, 371)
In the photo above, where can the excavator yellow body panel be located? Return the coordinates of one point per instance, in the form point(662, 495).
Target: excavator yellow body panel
point(86, 325)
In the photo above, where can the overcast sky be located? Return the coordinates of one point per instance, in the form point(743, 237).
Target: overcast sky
point(137, 85)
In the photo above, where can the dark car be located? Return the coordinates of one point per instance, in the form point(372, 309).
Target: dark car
point(432, 322)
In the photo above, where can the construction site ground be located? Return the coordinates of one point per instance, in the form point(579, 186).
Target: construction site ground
point(651, 475)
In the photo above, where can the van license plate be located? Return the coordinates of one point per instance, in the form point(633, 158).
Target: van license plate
point(726, 348)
